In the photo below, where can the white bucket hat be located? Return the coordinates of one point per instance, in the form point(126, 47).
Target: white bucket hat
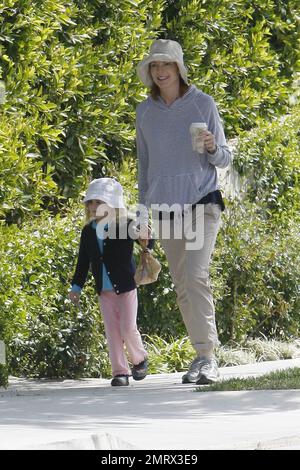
point(164, 50)
point(107, 190)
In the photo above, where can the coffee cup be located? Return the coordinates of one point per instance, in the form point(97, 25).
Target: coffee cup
point(197, 134)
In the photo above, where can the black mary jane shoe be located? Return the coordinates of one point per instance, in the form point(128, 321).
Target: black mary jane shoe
point(140, 370)
point(120, 380)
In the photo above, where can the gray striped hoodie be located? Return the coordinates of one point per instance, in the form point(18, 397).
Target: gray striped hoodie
point(169, 171)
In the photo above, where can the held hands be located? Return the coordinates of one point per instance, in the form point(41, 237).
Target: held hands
point(74, 297)
point(145, 237)
point(143, 242)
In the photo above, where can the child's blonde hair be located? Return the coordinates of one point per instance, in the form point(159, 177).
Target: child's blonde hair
point(119, 213)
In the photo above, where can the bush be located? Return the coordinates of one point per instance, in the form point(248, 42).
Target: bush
point(59, 344)
point(71, 90)
point(256, 264)
point(158, 311)
point(255, 274)
point(268, 158)
point(255, 280)
point(255, 277)
point(242, 52)
point(72, 87)
point(45, 334)
point(26, 182)
point(169, 355)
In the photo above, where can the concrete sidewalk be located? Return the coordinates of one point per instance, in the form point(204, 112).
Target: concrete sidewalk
point(156, 413)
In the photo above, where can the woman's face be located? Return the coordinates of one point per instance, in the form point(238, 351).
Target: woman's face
point(93, 206)
point(164, 74)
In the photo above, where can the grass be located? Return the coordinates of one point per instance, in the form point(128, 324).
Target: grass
point(288, 379)
point(257, 350)
point(175, 355)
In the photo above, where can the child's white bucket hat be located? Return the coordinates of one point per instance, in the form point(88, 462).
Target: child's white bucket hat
point(107, 190)
point(164, 50)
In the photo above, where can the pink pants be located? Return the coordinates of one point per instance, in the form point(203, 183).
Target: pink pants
point(119, 315)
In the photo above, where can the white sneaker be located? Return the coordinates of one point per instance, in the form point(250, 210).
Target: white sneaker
point(208, 372)
point(192, 374)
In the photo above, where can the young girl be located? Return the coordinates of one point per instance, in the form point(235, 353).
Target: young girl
point(110, 255)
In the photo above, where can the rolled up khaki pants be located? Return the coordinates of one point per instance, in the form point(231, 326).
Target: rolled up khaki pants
point(189, 269)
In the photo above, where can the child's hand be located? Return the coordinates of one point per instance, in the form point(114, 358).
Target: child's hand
point(74, 297)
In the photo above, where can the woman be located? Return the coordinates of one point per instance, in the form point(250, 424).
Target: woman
point(173, 174)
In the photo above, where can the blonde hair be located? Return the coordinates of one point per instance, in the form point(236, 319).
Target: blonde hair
point(87, 217)
point(119, 213)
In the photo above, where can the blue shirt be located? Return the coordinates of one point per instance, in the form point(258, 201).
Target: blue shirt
point(106, 282)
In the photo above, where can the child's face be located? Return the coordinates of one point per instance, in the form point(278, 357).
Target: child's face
point(93, 206)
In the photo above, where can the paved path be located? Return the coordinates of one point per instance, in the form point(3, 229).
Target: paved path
point(156, 413)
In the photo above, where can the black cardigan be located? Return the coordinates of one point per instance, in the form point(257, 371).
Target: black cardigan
point(117, 257)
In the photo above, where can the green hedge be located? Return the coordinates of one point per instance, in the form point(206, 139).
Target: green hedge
point(255, 279)
point(268, 160)
point(256, 264)
point(69, 69)
point(255, 274)
point(72, 88)
point(243, 52)
point(46, 336)
point(255, 269)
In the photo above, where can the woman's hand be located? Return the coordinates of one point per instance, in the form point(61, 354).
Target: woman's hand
point(209, 142)
point(143, 242)
point(74, 297)
point(146, 236)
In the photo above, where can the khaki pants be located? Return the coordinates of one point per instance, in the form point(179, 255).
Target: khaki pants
point(189, 269)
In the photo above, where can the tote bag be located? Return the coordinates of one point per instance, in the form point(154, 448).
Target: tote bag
point(148, 268)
